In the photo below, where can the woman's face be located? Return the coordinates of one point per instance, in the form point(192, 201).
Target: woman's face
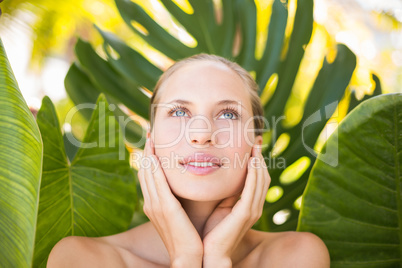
point(204, 114)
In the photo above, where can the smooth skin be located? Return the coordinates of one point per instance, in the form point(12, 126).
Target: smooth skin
point(225, 227)
point(220, 246)
point(198, 221)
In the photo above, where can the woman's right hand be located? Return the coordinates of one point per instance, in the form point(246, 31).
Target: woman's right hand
point(179, 235)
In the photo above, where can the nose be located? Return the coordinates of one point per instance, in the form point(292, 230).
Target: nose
point(200, 131)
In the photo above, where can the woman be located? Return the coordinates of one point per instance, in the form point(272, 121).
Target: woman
point(206, 185)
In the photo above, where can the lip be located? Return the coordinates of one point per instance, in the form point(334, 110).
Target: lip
point(201, 157)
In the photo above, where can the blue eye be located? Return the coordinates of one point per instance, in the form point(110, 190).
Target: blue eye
point(228, 115)
point(179, 113)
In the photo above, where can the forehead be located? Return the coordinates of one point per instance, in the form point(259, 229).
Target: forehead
point(205, 82)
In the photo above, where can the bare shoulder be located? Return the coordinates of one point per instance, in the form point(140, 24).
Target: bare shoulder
point(293, 249)
point(107, 251)
point(76, 251)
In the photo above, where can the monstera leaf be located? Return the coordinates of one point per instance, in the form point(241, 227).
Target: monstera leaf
point(353, 199)
point(20, 171)
point(127, 78)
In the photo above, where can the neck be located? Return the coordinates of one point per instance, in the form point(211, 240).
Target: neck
point(199, 212)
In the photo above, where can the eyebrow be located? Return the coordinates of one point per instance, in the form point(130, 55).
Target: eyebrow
point(222, 102)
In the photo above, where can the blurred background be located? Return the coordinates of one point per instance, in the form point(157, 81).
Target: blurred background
point(39, 37)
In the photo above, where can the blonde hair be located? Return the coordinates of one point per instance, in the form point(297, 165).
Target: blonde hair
point(248, 80)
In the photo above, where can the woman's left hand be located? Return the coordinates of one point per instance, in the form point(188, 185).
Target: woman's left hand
point(231, 220)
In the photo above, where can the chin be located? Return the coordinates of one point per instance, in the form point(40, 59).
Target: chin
point(199, 197)
point(211, 187)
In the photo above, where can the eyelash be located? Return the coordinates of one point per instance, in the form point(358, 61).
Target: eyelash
point(227, 109)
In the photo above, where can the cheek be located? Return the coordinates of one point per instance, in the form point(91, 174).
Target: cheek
point(234, 134)
point(237, 159)
point(238, 156)
point(168, 132)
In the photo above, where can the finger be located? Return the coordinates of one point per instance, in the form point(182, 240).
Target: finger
point(151, 146)
point(258, 197)
point(267, 179)
point(254, 166)
point(260, 180)
point(162, 187)
point(147, 150)
point(268, 176)
point(143, 185)
point(141, 178)
point(149, 180)
point(249, 188)
point(256, 150)
point(142, 174)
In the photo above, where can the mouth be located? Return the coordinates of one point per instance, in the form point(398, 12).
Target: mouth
point(201, 164)
point(200, 168)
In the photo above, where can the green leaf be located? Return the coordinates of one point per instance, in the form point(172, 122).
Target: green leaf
point(109, 81)
point(248, 18)
point(20, 171)
point(377, 91)
point(353, 199)
point(80, 89)
point(205, 25)
point(276, 32)
point(224, 33)
point(83, 93)
point(157, 36)
point(130, 64)
point(92, 196)
point(301, 34)
point(334, 78)
point(322, 101)
point(233, 37)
